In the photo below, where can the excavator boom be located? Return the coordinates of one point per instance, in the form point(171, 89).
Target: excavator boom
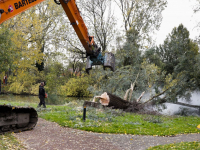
point(78, 24)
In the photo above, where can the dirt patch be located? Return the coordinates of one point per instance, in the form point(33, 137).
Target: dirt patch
point(50, 136)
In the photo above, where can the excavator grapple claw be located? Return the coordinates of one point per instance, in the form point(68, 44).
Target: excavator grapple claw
point(108, 61)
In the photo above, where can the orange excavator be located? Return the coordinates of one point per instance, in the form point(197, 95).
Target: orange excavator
point(15, 119)
point(11, 8)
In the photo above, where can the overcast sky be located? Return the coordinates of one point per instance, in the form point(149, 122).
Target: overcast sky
point(177, 12)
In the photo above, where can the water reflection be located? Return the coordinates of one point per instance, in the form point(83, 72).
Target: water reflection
point(51, 100)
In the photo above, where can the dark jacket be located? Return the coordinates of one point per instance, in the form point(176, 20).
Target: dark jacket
point(41, 91)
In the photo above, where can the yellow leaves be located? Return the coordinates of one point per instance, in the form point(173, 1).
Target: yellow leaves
point(150, 68)
point(76, 87)
point(8, 141)
point(47, 141)
point(16, 88)
point(24, 80)
point(198, 126)
point(27, 33)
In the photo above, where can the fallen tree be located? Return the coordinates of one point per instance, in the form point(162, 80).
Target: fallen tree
point(115, 102)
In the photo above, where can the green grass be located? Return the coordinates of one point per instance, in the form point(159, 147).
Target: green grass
point(178, 146)
point(8, 142)
point(115, 121)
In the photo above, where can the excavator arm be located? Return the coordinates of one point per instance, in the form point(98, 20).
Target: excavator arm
point(11, 8)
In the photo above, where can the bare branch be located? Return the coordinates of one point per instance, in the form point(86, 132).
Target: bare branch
point(156, 96)
point(131, 89)
point(140, 97)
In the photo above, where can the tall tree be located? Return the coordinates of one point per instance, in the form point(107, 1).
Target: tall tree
point(144, 16)
point(130, 54)
point(178, 50)
point(140, 18)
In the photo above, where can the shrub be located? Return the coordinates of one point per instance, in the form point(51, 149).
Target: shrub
point(76, 87)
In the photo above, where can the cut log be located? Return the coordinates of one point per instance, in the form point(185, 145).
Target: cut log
point(104, 99)
point(114, 102)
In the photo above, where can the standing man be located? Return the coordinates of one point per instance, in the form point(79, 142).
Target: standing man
point(42, 95)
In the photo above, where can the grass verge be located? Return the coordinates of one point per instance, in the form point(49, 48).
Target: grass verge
point(178, 146)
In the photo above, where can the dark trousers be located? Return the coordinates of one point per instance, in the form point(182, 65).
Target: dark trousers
point(42, 102)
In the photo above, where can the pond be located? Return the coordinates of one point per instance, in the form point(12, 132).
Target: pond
point(51, 100)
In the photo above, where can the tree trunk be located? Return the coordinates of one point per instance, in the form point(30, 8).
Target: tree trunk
point(116, 102)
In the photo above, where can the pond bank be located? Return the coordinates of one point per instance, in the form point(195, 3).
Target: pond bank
point(51, 100)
